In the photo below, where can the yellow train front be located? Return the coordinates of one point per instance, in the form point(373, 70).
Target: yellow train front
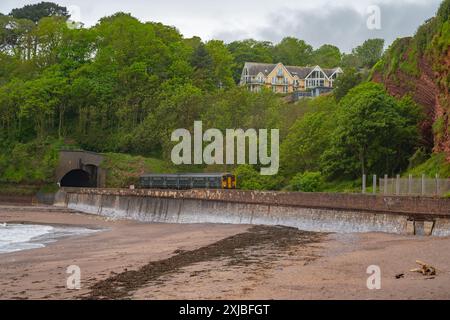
point(188, 181)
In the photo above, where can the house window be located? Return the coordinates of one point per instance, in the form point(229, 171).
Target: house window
point(274, 88)
point(280, 72)
point(285, 89)
point(246, 77)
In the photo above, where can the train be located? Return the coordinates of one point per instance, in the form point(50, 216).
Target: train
point(188, 181)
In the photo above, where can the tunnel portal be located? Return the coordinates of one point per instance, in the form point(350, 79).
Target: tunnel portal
point(80, 169)
point(77, 178)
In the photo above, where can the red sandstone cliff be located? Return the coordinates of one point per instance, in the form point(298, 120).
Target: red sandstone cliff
point(421, 68)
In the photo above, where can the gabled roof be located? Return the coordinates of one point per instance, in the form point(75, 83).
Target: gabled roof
point(330, 72)
point(254, 68)
point(301, 72)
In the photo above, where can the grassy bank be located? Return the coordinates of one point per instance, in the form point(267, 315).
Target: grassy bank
point(436, 164)
point(124, 170)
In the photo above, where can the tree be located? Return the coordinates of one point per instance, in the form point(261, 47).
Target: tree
point(49, 35)
point(16, 37)
point(249, 51)
point(308, 138)
point(292, 51)
point(202, 63)
point(350, 61)
point(345, 82)
point(373, 134)
point(327, 56)
point(36, 12)
point(369, 52)
point(222, 63)
point(42, 101)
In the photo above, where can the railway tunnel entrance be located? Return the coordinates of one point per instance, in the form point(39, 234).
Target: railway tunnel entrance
point(80, 169)
point(76, 178)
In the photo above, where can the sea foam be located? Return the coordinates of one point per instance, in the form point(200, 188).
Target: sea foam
point(17, 237)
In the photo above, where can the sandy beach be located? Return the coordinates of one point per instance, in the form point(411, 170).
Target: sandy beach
point(133, 260)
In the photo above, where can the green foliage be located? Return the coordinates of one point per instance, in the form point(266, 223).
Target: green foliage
point(443, 13)
point(351, 61)
point(401, 55)
point(36, 12)
point(31, 163)
point(248, 178)
point(307, 182)
point(327, 56)
point(425, 34)
point(122, 86)
point(342, 186)
point(436, 164)
point(369, 52)
point(374, 133)
point(293, 52)
point(223, 63)
point(124, 170)
point(419, 157)
point(309, 137)
point(350, 79)
point(432, 38)
point(249, 51)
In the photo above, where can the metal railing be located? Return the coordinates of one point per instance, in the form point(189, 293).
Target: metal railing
point(410, 185)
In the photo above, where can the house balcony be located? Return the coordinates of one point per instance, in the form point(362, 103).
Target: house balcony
point(281, 83)
point(252, 81)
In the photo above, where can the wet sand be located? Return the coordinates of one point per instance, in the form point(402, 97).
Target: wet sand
point(132, 260)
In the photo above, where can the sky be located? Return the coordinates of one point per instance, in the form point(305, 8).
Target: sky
point(339, 22)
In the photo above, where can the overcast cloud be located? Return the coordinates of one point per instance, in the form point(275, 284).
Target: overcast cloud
point(338, 22)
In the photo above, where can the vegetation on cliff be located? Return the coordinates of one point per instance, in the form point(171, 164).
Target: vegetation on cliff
point(419, 66)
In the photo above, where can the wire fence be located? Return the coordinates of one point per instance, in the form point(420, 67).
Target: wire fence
point(406, 185)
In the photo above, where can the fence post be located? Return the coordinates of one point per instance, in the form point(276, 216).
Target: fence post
point(437, 184)
point(423, 184)
point(363, 183)
point(374, 191)
point(385, 183)
point(410, 184)
point(397, 185)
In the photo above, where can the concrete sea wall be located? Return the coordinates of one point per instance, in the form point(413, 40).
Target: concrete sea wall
point(311, 212)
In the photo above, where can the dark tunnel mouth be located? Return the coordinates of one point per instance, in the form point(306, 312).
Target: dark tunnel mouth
point(78, 178)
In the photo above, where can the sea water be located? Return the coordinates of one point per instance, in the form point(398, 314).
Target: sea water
point(17, 237)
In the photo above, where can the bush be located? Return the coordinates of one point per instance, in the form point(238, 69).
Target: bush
point(124, 170)
point(29, 163)
point(249, 178)
point(436, 164)
point(307, 182)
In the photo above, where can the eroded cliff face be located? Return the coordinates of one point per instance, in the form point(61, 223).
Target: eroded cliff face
point(419, 66)
point(442, 137)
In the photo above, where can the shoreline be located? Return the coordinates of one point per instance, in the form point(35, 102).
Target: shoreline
point(215, 261)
